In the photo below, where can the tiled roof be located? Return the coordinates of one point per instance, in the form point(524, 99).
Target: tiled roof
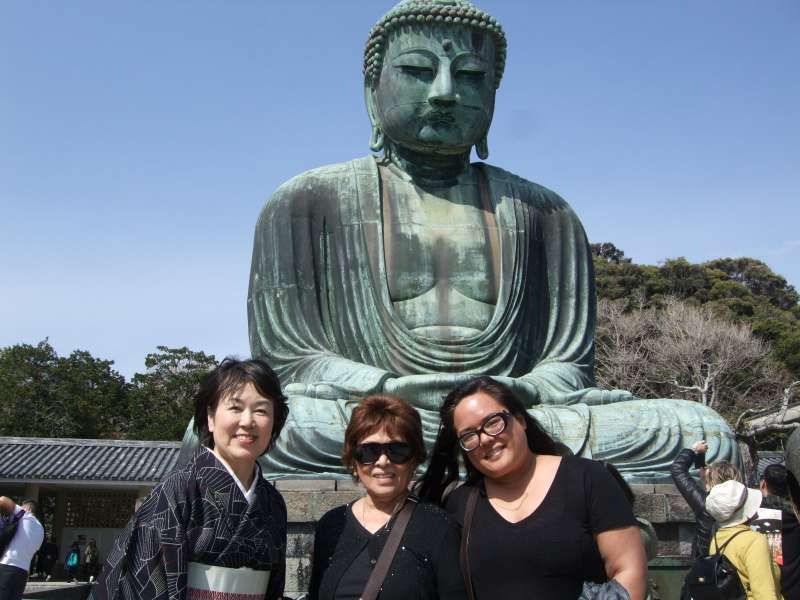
point(58, 459)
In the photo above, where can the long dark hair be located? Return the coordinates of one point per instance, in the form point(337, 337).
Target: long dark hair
point(443, 469)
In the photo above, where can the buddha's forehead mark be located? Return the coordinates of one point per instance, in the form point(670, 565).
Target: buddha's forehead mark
point(448, 38)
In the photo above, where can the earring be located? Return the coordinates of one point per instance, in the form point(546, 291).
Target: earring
point(482, 148)
point(376, 140)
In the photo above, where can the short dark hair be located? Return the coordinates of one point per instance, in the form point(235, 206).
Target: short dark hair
point(228, 377)
point(378, 411)
point(774, 477)
point(33, 504)
point(443, 468)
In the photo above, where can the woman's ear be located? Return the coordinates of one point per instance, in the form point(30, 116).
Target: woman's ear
point(210, 422)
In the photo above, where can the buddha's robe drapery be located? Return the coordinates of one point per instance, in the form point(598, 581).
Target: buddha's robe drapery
point(320, 313)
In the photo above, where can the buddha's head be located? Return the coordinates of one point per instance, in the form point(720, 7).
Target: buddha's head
point(431, 69)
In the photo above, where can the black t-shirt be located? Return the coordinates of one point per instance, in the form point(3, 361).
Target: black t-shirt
point(790, 543)
point(550, 553)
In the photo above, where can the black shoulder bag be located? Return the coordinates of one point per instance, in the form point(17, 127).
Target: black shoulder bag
point(375, 581)
point(714, 577)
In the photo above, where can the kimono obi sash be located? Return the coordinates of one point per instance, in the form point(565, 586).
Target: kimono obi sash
point(207, 582)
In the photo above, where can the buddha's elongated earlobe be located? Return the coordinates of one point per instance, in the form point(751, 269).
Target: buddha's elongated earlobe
point(376, 140)
point(482, 148)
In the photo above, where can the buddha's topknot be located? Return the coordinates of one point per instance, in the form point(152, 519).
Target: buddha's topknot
point(445, 12)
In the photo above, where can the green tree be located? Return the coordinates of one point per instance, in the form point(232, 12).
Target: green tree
point(742, 290)
point(160, 399)
point(44, 395)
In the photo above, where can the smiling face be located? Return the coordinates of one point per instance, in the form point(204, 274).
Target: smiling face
point(436, 89)
point(241, 426)
point(383, 480)
point(497, 456)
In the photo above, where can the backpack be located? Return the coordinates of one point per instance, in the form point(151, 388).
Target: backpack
point(714, 577)
point(72, 559)
point(8, 527)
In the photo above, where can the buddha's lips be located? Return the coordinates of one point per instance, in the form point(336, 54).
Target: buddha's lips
point(440, 117)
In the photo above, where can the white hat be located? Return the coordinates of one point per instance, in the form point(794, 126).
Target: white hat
point(731, 503)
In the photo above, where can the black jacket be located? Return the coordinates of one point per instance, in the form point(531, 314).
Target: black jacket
point(426, 566)
point(695, 497)
point(790, 543)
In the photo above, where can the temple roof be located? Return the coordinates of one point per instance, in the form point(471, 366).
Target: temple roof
point(62, 460)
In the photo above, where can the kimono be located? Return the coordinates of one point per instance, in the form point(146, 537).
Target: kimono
point(197, 514)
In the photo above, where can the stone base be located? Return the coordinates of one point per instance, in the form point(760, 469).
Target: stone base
point(60, 590)
point(308, 499)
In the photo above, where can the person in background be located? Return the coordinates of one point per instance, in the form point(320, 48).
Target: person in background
point(733, 506)
point(383, 446)
point(48, 556)
point(72, 561)
point(694, 494)
point(90, 561)
point(214, 527)
point(15, 561)
point(775, 491)
point(544, 524)
point(791, 552)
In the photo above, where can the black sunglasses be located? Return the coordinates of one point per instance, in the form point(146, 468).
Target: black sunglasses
point(397, 452)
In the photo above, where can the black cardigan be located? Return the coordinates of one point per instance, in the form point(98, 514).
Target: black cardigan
point(695, 497)
point(426, 566)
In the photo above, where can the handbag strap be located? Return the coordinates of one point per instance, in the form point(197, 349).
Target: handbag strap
point(469, 512)
point(375, 581)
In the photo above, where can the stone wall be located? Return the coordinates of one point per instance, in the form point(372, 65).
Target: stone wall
point(308, 499)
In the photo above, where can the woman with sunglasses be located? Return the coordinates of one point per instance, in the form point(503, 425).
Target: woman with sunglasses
point(383, 446)
point(536, 521)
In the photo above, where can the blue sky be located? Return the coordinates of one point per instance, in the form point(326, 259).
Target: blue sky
point(139, 140)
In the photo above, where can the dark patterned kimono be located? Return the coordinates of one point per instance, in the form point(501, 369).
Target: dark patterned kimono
point(197, 514)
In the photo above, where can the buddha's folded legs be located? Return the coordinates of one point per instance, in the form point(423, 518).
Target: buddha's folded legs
point(640, 437)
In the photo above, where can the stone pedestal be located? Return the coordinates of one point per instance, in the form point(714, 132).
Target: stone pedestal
point(308, 499)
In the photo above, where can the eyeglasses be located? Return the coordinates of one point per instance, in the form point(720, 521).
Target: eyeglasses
point(493, 425)
point(398, 453)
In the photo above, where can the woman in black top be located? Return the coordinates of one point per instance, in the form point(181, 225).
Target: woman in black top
point(543, 524)
point(383, 446)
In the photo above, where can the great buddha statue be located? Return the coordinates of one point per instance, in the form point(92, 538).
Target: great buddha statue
point(413, 270)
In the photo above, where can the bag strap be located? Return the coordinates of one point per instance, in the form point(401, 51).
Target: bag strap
point(469, 512)
point(721, 549)
point(375, 581)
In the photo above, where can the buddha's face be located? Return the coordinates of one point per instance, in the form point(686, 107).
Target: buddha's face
point(436, 89)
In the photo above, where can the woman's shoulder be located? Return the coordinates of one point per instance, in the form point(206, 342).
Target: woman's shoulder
point(578, 471)
point(456, 501)
point(272, 495)
point(430, 514)
point(333, 520)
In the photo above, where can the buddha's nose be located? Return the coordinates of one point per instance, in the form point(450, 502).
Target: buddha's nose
point(443, 94)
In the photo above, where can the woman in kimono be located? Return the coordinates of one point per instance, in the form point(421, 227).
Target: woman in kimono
point(214, 524)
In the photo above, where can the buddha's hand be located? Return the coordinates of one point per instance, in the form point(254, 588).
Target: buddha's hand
point(320, 391)
point(425, 391)
point(525, 391)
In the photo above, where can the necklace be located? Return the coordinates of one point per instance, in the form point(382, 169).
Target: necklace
point(519, 504)
point(525, 495)
point(389, 516)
